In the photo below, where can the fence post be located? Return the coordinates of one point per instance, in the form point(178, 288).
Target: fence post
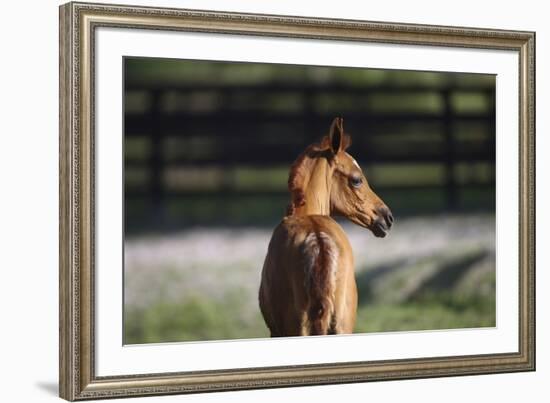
point(309, 119)
point(155, 159)
point(451, 194)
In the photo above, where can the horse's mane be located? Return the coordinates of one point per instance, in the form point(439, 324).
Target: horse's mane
point(300, 170)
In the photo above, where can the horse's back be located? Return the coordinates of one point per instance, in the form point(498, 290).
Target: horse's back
point(292, 236)
point(299, 275)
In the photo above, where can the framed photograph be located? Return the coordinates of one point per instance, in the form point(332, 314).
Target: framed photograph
point(257, 201)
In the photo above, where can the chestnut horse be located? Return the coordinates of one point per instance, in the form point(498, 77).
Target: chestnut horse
point(308, 281)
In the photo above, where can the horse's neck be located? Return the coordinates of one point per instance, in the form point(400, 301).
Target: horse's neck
point(317, 191)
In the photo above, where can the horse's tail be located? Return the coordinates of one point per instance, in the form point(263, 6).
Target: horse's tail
point(321, 260)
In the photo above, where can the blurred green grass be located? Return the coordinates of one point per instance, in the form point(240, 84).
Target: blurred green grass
point(196, 318)
point(444, 312)
point(208, 319)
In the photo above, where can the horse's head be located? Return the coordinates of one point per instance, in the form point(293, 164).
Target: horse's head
point(325, 179)
point(350, 194)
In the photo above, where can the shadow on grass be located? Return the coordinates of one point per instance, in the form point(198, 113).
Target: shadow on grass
point(446, 274)
point(435, 301)
point(451, 272)
point(366, 278)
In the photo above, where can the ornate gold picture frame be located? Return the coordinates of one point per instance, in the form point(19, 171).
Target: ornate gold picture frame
point(78, 25)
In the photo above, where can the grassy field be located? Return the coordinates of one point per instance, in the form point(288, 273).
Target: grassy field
point(203, 319)
point(430, 273)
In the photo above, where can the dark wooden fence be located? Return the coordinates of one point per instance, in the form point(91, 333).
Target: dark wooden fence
point(253, 133)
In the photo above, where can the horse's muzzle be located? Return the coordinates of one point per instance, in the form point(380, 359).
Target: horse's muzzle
point(383, 223)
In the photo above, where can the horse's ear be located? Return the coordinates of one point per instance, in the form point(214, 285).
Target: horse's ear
point(338, 140)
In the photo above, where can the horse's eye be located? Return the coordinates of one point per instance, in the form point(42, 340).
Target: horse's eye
point(356, 181)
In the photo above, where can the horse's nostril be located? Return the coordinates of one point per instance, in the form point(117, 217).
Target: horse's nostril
point(386, 214)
